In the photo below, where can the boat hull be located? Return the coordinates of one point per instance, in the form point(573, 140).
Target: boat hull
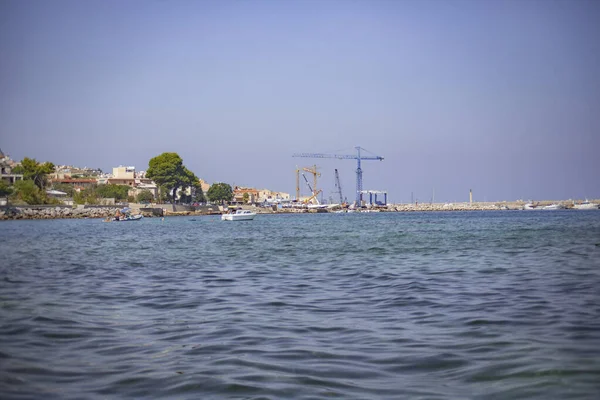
point(586, 206)
point(128, 219)
point(554, 207)
point(239, 216)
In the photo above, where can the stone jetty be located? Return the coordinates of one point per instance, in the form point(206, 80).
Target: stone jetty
point(54, 212)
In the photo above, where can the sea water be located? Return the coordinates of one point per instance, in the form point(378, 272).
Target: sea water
point(496, 305)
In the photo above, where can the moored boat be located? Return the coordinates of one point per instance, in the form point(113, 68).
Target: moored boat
point(239, 215)
point(125, 218)
point(554, 206)
point(586, 205)
point(531, 206)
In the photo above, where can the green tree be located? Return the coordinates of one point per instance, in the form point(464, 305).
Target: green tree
point(110, 191)
point(246, 197)
point(168, 171)
point(35, 171)
point(5, 190)
point(220, 192)
point(145, 196)
point(28, 192)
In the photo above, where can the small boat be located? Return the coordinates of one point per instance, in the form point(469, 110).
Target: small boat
point(554, 207)
point(586, 205)
point(132, 218)
point(239, 215)
point(125, 218)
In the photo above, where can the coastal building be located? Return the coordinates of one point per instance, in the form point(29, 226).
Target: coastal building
point(239, 192)
point(141, 185)
point(127, 175)
point(269, 196)
point(77, 183)
point(6, 166)
point(259, 195)
point(69, 171)
point(122, 176)
point(122, 172)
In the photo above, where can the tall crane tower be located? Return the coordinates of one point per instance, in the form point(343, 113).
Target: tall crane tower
point(356, 157)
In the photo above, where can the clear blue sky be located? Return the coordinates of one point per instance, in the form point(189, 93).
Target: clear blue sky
point(502, 97)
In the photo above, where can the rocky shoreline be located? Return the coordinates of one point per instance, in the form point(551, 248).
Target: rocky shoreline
point(55, 212)
point(66, 212)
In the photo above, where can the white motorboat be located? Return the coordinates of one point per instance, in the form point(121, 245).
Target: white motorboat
point(554, 206)
point(239, 215)
point(530, 206)
point(124, 218)
point(586, 205)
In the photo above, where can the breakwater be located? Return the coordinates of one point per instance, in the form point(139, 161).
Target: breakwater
point(159, 210)
point(453, 207)
point(55, 212)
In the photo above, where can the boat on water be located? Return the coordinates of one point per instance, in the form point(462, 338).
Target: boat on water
point(554, 206)
point(586, 205)
point(125, 218)
point(124, 215)
point(531, 206)
point(239, 215)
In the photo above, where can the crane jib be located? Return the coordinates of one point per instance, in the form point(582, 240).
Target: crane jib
point(338, 156)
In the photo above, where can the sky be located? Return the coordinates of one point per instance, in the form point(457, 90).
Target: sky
point(498, 97)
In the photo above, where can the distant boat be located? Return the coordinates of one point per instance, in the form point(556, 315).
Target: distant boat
point(239, 215)
point(586, 205)
point(530, 206)
point(125, 219)
point(554, 206)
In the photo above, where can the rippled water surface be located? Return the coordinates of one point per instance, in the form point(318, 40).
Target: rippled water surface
point(362, 306)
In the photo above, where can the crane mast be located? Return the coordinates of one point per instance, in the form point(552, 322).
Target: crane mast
point(313, 171)
point(314, 193)
point(338, 186)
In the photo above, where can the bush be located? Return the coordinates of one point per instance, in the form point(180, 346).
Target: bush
point(5, 190)
point(28, 192)
point(86, 196)
point(118, 192)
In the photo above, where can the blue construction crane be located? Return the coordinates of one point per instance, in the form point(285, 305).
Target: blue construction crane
point(356, 157)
